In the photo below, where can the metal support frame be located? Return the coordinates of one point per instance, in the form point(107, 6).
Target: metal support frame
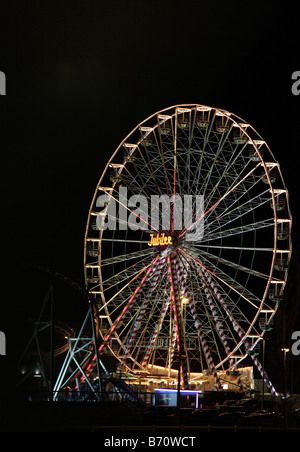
point(82, 349)
point(34, 341)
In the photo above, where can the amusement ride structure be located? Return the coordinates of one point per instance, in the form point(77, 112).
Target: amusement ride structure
point(187, 249)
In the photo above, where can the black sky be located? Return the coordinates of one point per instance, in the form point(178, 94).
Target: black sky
point(82, 74)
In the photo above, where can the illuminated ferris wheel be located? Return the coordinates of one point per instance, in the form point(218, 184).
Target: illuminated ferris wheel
point(188, 244)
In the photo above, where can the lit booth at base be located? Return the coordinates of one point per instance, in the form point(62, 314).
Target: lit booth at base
point(169, 398)
point(234, 380)
point(202, 390)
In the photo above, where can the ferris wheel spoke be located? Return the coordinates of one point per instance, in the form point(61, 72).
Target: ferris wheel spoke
point(129, 241)
point(144, 173)
point(126, 257)
point(206, 182)
point(208, 326)
point(235, 265)
point(239, 211)
point(125, 206)
point(219, 326)
point(123, 275)
point(250, 227)
point(238, 198)
point(222, 222)
point(126, 308)
point(160, 145)
point(186, 173)
point(240, 248)
point(234, 186)
point(163, 170)
point(156, 332)
point(147, 175)
point(151, 171)
point(227, 173)
point(236, 313)
point(143, 308)
point(143, 319)
point(188, 146)
point(114, 300)
point(229, 282)
point(198, 327)
point(239, 331)
point(155, 179)
point(232, 284)
point(220, 200)
point(222, 161)
point(148, 334)
point(204, 145)
point(182, 349)
point(198, 284)
point(132, 182)
point(173, 294)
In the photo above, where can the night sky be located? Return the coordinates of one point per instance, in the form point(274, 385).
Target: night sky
point(81, 75)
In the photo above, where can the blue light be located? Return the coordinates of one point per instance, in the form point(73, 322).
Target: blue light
point(168, 397)
point(182, 391)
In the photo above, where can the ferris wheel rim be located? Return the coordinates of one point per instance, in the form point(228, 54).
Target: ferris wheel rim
point(262, 162)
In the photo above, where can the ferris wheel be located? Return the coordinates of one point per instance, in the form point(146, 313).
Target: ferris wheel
point(188, 244)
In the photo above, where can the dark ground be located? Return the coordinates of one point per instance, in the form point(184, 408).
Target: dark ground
point(110, 418)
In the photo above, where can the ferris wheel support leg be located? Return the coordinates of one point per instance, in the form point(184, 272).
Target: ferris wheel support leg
point(204, 344)
point(205, 347)
point(69, 357)
point(143, 309)
point(155, 334)
point(96, 348)
point(239, 331)
point(173, 339)
point(63, 370)
point(218, 325)
point(178, 332)
point(184, 357)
